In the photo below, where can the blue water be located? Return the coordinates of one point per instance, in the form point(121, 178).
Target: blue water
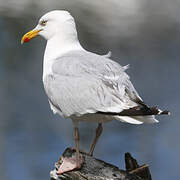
point(32, 138)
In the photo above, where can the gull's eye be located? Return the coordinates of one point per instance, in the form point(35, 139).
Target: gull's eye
point(43, 23)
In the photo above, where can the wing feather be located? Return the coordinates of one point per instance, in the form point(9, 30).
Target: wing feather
point(84, 82)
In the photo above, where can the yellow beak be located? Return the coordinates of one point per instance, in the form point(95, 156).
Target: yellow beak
point(29, 35)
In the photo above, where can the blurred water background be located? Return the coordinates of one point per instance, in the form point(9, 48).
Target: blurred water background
point(142, 33)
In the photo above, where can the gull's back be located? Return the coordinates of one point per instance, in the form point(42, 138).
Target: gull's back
point(85, 83)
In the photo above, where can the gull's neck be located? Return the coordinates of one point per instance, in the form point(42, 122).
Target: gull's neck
point(56, 47)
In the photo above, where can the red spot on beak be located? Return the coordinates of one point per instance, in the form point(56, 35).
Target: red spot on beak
point(26, 40)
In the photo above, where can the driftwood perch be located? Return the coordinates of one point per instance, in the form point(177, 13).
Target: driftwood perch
point(95, 169)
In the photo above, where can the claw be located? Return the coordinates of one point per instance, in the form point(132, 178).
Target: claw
point(70, 163)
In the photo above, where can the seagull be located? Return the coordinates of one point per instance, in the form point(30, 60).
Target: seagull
point(84, 86)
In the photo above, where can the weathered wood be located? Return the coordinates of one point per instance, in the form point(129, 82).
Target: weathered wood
point(95, 169)
point(133, 168)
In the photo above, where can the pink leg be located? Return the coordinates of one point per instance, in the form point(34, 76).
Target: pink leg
point(76, 137)
point(74, 162)
point(98, 133)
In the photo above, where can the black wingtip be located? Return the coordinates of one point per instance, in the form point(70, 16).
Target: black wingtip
point(166, 112)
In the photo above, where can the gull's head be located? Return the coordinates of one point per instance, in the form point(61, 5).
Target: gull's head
point(53, 23)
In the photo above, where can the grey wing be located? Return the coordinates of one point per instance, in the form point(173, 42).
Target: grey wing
point(77, 95)
point(87, 83)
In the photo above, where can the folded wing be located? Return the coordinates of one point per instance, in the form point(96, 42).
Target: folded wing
point(84, 82)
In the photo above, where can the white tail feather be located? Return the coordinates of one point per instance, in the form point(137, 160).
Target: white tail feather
point(137, 119)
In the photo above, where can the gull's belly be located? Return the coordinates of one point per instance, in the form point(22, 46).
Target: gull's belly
point(92, 117)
